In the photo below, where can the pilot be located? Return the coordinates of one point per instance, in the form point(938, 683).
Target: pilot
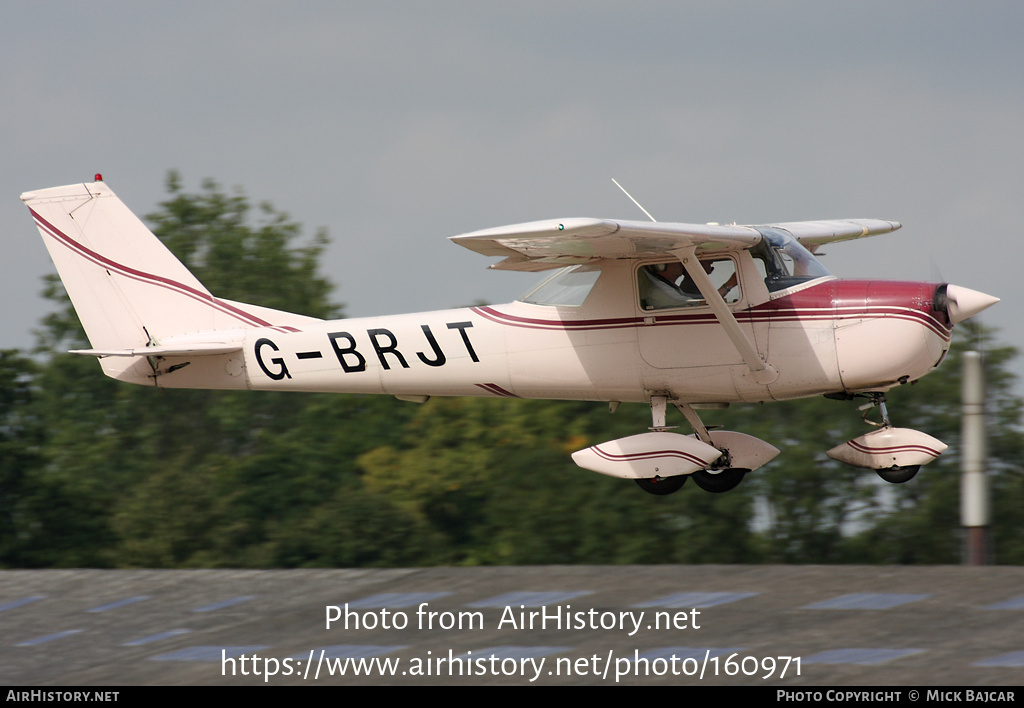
point(658, 288)
point(669, 272)
point(688, 285)
point(664, 285)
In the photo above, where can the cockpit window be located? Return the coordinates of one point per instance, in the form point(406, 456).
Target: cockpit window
point(665, 285)
point(567, 287)
point(784, 261)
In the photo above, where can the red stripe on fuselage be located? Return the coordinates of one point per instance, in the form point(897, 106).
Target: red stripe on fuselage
point(833, 301)
point(496, 390)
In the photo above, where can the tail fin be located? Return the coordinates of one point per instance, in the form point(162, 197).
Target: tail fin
point(128, 289)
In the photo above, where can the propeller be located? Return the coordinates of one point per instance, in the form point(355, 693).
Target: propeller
point(961, 303)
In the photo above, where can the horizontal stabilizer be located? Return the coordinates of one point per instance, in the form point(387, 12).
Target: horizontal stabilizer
point(185, 350)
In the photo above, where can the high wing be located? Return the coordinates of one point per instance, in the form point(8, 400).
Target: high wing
point(817, 233)
point(540, 245)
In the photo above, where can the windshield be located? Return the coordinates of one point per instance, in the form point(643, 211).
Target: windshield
point(567, 287)
point(784, 262)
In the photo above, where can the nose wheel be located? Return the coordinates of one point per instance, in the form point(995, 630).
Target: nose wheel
point(899, 475)
point(895, 454)
point(894, 474)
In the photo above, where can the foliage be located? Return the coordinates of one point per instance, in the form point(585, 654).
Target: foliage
point(20, 433)
point(258, 263)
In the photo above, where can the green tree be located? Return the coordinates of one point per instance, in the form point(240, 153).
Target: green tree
point(494, 477)
point(260, 263)
point(20, 434)
point(806, 499)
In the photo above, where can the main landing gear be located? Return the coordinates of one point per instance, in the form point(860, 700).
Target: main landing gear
point(718, 460)
point(660, 461)
point(895, 454)
point(723, 473)
point(718, 481)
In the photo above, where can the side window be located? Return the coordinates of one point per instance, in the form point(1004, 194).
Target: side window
point(568, 287)
point(667, 285)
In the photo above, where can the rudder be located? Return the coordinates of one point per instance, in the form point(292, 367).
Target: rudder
point(128, 289)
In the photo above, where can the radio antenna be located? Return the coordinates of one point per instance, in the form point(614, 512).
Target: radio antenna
point(634, 201)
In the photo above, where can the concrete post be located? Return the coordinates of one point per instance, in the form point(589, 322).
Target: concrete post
point(975, 513)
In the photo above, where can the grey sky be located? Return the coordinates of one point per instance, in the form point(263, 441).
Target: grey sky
point(397, 124)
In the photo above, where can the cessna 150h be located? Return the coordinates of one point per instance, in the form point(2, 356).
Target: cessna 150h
point(667, 314)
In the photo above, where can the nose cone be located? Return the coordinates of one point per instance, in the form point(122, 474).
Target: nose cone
point(962, 303)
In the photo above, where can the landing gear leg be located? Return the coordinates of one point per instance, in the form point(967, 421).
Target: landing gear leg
point(720, 477)
point(894, 474)
point(660, 485)
point(877, 401)
point(694, 420)
point(659, 405)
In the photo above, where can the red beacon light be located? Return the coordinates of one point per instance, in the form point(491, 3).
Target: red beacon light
point(97, 178)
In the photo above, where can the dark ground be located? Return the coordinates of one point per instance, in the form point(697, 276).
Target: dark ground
point(924, 626)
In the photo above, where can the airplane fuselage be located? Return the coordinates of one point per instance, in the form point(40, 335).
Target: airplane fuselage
point(825, 337)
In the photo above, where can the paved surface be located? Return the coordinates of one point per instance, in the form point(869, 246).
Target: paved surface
point(877, 625)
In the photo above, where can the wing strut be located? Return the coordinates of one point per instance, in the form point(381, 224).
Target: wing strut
point(760, 371)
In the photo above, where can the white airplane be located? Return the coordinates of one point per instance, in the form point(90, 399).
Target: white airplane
point(696, 316)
